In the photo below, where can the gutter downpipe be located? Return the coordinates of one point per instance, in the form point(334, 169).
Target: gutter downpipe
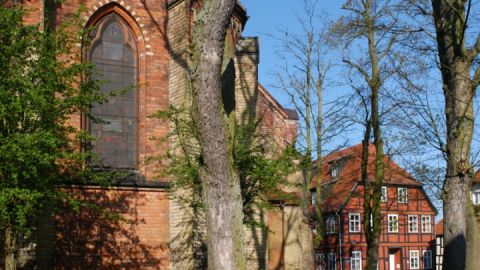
point(339, 240)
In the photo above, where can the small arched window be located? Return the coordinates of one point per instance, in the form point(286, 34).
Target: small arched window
point(113, 53)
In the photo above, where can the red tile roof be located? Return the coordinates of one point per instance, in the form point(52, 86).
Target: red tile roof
point(336, 190)
point(476, 177)
point(439, 228)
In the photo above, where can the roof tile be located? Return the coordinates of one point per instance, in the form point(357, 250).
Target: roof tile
point(336, 190)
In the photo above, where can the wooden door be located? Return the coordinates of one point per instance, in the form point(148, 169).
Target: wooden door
point(275, 239)
point(394, 259)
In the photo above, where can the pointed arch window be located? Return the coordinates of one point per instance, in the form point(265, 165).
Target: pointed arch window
point(113, 52)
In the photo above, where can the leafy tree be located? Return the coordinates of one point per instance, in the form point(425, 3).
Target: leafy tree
point(262, 171)
point(41, 86)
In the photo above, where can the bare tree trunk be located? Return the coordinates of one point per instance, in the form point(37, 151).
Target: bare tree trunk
point(473, 236)
point(303, 80)
point(372, 195)
point(10, 249)
point(221, 185)
point(455, 63)
point(308, 131)
point(319, 163)
point(456, 189)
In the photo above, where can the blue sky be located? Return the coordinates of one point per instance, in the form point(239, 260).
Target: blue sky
point(266, 17)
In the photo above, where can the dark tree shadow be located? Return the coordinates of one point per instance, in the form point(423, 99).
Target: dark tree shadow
point(122, 229)
point(459, 244)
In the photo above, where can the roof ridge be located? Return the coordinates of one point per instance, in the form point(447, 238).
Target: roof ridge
point(287, 113)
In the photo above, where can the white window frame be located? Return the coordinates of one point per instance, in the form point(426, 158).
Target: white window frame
point(427, 259)
point(426, 224)
point(334, 170)
point(313, 199)
point(384, 197)
point(331, 262)
point(412, 223)
point(320, 261)
point(354, 224)
point(392, 228)
point(402, 194)
point(356, 260)
point(330, 225)
point(476, 197)
point(414, 259)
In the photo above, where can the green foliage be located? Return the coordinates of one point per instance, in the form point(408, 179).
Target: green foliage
point(41, 86)
point(183, 157)
point(262, 171)
point(262, 168)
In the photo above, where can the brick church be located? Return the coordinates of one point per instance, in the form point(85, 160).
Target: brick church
point(146, 43)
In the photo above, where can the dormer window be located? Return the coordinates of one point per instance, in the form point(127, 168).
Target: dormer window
point(383, 198)
point(334, 171)
point(402, 195)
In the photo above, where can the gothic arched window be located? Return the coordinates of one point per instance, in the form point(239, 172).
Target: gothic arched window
point(114, 55)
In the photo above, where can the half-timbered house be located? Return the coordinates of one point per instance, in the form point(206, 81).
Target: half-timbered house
point(408, 216)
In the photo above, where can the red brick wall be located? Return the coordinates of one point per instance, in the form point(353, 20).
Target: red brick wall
point(139, 239)
point(128, 230)
point(273, 121)
point(34, 10)
point(148, 22)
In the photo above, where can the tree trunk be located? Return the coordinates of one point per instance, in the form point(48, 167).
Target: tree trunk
point(374, 195)
point(455, 226)
point(455, 65)
point(222, 195)
point(456, 190)
point(309, 169)
point(372, 250)
point(374, 202)
point(473, 235)
point(10, 249)
point(319, 163)
point(459, 175)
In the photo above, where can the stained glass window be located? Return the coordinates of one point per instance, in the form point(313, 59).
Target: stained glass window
point(116, 144)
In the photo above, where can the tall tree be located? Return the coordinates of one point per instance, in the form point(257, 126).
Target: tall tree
point(39, 91)
point(303, 78)
point(223, 202)
point(370, 26)
point(460, 76)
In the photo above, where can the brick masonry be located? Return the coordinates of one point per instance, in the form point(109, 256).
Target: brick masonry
point(146, 228)
point(127, 231)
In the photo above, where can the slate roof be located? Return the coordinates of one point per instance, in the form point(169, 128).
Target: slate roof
point(336, 190)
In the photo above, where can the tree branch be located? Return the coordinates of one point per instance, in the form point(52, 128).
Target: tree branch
point(359, 69)
point(474, 50)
